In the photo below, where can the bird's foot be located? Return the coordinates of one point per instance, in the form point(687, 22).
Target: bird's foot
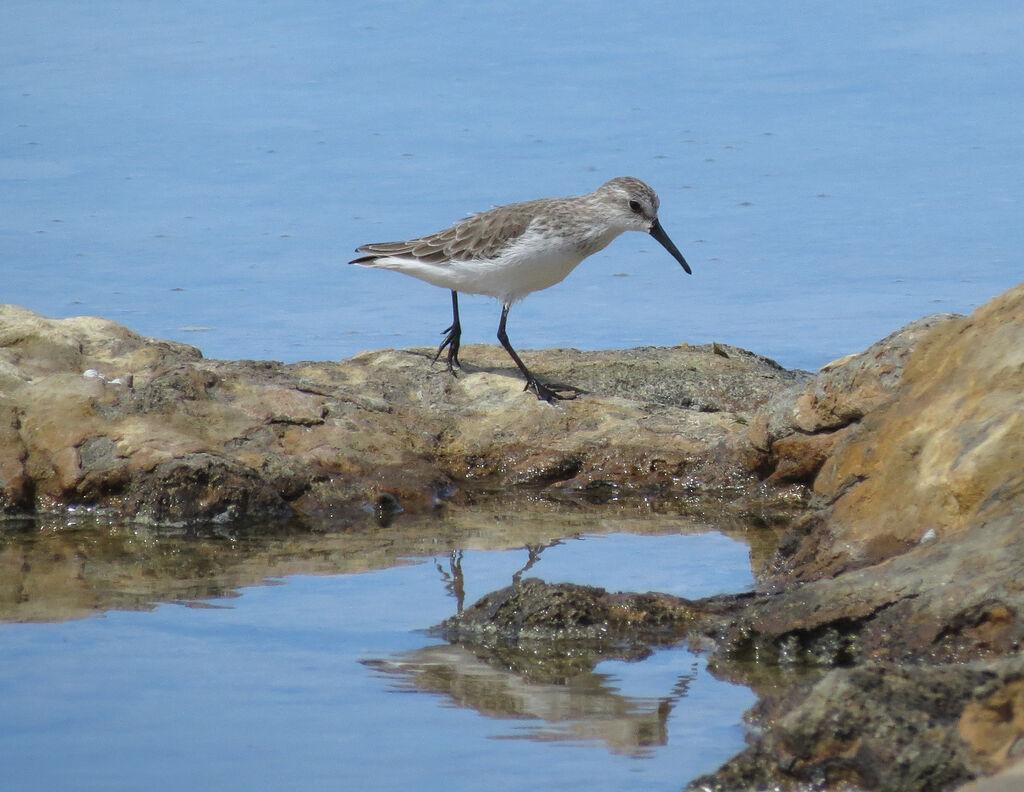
point(451, 363)
point(553, 392)
point(451, 341)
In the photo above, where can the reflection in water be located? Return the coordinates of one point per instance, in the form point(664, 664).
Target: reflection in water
point(585, 705)
point(453, 578)
point(58, 568)
point(533, 556)
point(259, 690)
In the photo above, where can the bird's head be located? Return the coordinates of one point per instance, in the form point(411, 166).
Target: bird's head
point(634, 206)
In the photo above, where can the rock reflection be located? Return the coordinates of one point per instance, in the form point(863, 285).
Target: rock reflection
point(54, 568)
point(573, 704)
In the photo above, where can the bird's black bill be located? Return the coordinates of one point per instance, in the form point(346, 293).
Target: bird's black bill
point(659, 233)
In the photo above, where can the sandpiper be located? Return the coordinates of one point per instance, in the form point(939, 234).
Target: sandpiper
point(511, 251)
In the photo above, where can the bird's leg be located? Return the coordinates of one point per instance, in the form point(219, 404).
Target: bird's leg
point(548, 394)
point(451, 339)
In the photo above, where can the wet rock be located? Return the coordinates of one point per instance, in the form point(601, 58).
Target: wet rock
point(878, 726)
point(948, 600)
point(202, 488)
point(535, 609)
point(869, 724)
point(892, 611)
point(905, 572)
point(547, 631)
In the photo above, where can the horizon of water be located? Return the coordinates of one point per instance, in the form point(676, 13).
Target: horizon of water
point(203, 172)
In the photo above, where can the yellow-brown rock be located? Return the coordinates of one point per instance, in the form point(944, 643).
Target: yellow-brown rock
point(945, 453)
point(94, 414)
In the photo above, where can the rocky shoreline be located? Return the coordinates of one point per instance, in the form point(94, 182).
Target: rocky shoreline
point(94, 414)
point(884, 637)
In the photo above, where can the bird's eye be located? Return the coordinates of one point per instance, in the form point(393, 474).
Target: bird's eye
point(635, 207)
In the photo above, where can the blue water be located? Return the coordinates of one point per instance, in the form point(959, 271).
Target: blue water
point(280, 688)
point(202, 171)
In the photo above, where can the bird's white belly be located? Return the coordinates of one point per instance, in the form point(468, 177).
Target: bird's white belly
point(522, 272)
point(529, 264)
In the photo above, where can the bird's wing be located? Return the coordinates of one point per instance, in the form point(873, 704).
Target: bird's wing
point(479, 236)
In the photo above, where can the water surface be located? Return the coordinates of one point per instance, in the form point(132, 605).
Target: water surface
point(124, 680)
point(203, 171)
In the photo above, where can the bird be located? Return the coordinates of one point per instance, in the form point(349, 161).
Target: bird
point(513, 250)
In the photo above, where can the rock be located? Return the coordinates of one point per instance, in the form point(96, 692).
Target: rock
point(800, 426)
point(906, 569)
point(943, 453)
point(533, 609)
point(1009, 780)
point(992, 723)
point(547, 632)
point(874, 727)
point(866, 725)
point(949, 600)
point(202, 488)
point(92, 414)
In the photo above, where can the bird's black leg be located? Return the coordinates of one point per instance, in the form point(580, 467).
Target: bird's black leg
point(548, 394)
point(451, 339)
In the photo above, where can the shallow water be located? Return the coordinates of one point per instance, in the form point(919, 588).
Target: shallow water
point(203, 171)
point(329, 680)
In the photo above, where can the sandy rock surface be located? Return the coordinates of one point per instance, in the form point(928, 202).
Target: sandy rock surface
point(93, 414)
